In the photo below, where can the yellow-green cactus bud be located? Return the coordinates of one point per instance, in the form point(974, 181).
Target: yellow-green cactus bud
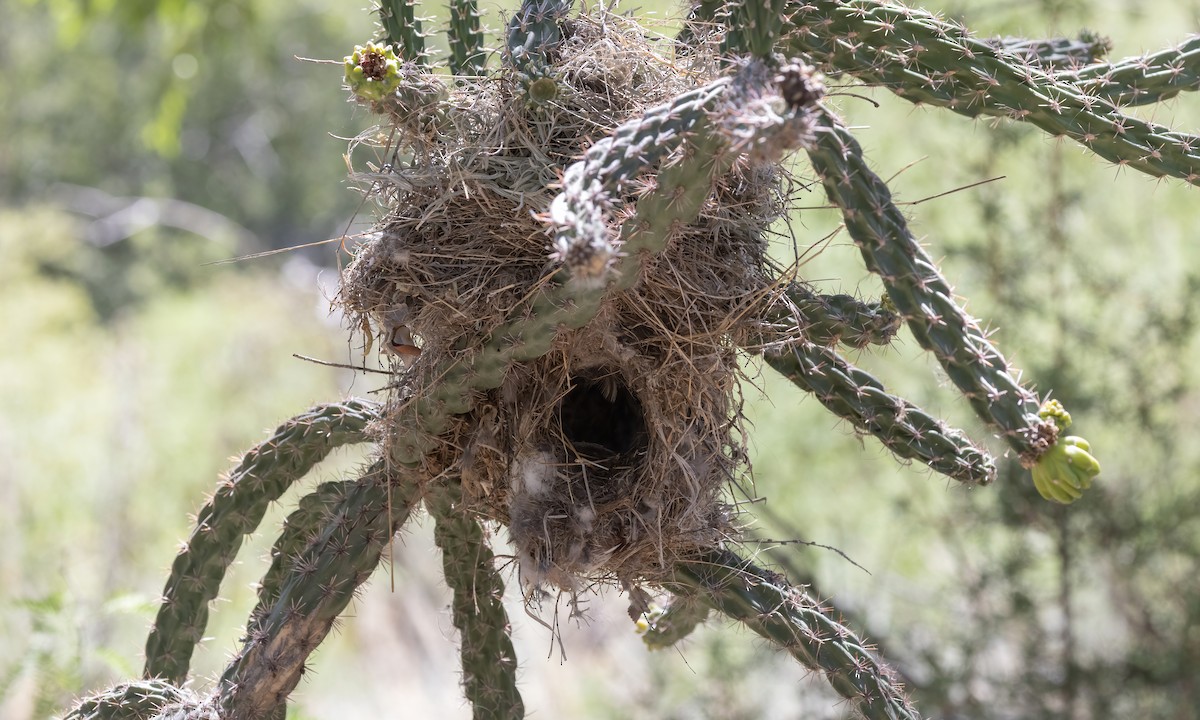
point(1066, 470)
point(543, 90)
point(373, 71)
point(647, 620)
point(1054, 411)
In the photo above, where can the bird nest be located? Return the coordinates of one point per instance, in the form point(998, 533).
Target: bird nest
point(611, 456)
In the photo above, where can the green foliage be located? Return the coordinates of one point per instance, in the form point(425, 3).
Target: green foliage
point(200, 102)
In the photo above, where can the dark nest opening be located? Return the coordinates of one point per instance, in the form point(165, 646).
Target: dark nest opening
point(609, 457)
point(601, 419)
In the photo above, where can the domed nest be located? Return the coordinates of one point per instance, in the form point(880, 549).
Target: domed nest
point(609, 457)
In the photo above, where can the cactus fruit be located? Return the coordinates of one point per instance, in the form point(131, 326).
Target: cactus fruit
point(1064, 471)
point(372, 71)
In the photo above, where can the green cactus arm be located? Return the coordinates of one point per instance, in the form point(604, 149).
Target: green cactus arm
point(402, 28)
point(752, 27)
point(1143, 79)
point(832, 319)
point(905, 429)
point(534, 32)
point(922, 295)
point(664, 627)
point(1056, 54)
point(467, 56)
point(138, 700)
point(926, 60)
point(797, 623)
point(579, 212)
point(320, 582)
point(236, 510)
point(303, 524)
point(489, 663)
point(712, 125)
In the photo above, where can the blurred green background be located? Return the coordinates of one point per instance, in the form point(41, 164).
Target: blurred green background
point(145, 139)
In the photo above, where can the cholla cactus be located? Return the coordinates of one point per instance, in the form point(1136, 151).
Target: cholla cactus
point(569, 258)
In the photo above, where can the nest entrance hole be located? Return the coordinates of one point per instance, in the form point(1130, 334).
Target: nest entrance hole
point(601, 417)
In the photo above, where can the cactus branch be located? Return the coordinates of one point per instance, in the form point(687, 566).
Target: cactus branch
point(301, 526)
point(138, 700)
point(752, 27)
point(402, 28)
point(579, 211)
point(1144, 79)
point(489, 663)
point(1056, 54)
point(236, 510)
point(923, 297)
point(466, 39)
point(832, 319)
point(534, 33)
point(661, 628)
point(319, 584)
point(703, 19)
point(790, 618)
point(905, 429)
point(927, 60)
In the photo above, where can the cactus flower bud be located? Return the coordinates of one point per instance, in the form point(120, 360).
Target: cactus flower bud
point(1066, 470)
point(373, 71)
point(1054, 411)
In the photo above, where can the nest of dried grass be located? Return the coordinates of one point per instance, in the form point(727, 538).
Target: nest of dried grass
point(609, 457)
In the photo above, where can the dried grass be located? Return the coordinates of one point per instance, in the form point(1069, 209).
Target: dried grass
point(610, 456)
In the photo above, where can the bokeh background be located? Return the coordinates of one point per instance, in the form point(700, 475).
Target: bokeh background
point(143, 141)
